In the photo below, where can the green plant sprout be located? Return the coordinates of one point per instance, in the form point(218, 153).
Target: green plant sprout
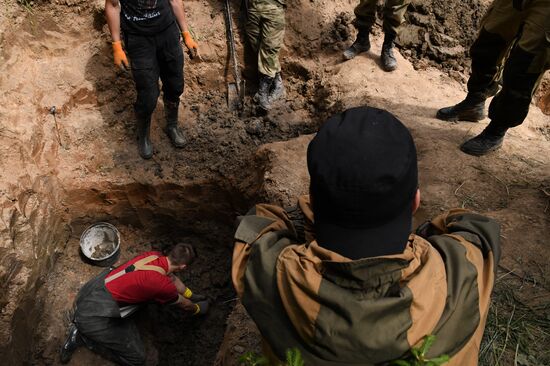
point(418, 356)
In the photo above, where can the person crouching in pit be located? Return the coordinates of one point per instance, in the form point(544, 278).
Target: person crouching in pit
point(103, 306)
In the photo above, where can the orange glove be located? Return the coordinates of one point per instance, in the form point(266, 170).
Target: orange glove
point(119, 56)
point(190, 42)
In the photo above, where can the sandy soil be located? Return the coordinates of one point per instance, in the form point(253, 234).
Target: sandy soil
point(82, 165)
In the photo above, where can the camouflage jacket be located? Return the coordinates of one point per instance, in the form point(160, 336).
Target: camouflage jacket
point(339, 311)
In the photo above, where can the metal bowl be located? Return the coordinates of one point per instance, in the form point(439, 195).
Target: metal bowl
point(100, 242)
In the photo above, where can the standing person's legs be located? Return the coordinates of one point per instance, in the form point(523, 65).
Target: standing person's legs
point(273, 34)
point(365, 14)
point(171, 73)
point(527, 62)
point(394, 15)
point(499, 28)
point(252, 27)
point(365, 17)
point(145, 70)
point(272, 38)
point(269, 37)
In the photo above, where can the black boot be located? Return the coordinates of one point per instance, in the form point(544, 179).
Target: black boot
point(72, 342)
point(489, 140)
point(262, 96)
point(470, 109)
point(361, 44)
point(389, 63)
point(145, 147)
point(277, 88)
point(172, 129)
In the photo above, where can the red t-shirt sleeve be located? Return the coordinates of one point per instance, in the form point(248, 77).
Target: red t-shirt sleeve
point(166, 292)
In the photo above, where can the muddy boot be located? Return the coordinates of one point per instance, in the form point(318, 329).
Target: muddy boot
point(389, 63)
point(262, 96)
point(277, 89)
point(470, 109)
point(72, 342)
point(145, 147)
point(172, 129)
point(361, 44)
point(489, 140)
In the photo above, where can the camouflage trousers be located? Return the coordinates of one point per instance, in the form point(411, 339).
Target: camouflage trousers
point(512, 49)
point(394, 14)
point(265, 28)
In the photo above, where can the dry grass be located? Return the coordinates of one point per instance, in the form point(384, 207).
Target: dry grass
point(518, 325)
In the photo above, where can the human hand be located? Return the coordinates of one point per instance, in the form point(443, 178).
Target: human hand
point(190, 44)
point(119, 55)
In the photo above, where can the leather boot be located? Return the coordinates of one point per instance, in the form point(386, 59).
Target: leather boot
point(145, 147)
point(489, 140)
point(361, 44)
point(72, 342)
point(262, 96)
point(470, 109)
point(277, 89)
point(389, 63)
point(172, 129)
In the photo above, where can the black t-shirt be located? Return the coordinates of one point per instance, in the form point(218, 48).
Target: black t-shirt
point(145, 17)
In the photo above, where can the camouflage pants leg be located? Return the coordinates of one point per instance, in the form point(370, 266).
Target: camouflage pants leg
point(265, 29)
point(394, 14)
point(513, 48)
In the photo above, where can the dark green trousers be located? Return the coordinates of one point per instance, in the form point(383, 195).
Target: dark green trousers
point(512, 49)
point(265, 28)
point(394, 14)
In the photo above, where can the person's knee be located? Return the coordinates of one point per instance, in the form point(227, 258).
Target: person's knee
point(146, 102)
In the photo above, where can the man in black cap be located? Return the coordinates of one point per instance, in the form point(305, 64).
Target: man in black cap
point(342, 278)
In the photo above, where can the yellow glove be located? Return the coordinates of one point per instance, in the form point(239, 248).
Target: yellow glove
point(190, 42)
point(119, 56)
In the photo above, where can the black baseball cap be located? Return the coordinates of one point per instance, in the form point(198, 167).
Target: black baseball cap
point(364, 176)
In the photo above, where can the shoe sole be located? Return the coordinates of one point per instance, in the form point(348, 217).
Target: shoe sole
point(479, 153)
point(351, 57)
point(458, 119)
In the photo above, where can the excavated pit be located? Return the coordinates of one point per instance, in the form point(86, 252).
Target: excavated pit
point(148, 217)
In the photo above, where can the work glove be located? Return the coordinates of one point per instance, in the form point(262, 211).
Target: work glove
point(201, 307)
point(119, 56)
point(190, 44)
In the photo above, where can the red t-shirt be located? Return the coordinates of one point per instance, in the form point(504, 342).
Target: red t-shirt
point(143, 286)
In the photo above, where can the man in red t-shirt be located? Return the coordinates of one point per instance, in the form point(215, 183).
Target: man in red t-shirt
point(103, 306)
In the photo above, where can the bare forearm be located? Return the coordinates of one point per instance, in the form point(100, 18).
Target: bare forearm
point(112, 13)
point(179, 285)
point(179, 13)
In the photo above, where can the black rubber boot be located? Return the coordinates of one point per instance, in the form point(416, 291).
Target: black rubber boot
point(72, 342)
point(470, 109)
point(262, 96)
point(277, 88)
point(361, 44)
point(145, 147)
point(389, 63)
point(172, 129)
point(489, 140)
